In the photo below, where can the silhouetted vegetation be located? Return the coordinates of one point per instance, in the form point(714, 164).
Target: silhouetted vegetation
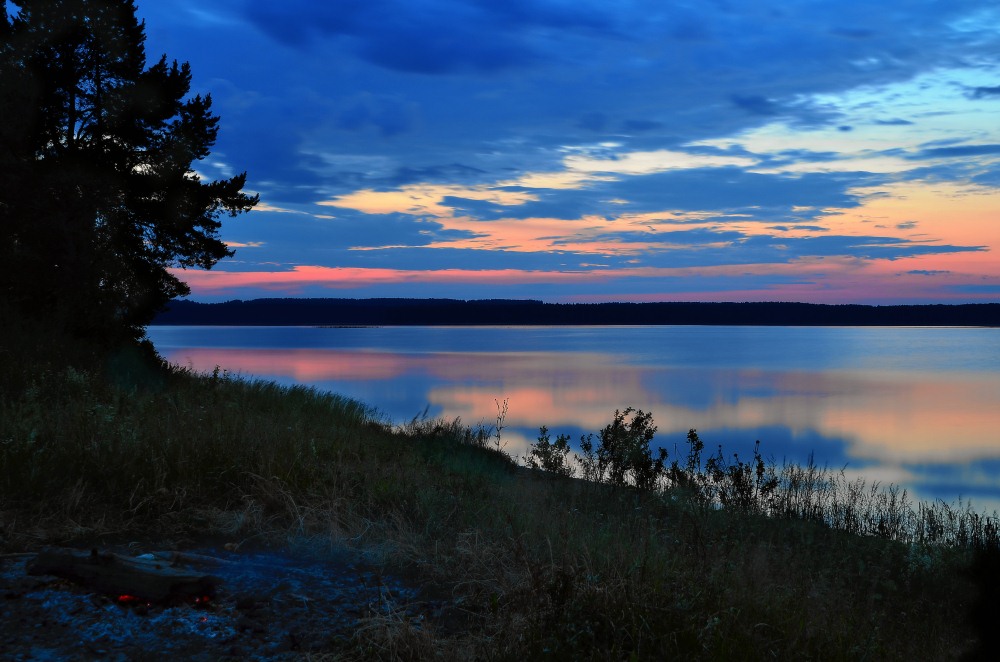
point(693, 556)
point(623, 457)
point(648, 557)
point(378, 312)
point(99, 196)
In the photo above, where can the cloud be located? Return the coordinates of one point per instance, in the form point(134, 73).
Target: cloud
point(957, 151)
point(679, 238)
point(427, 200)
point(985, 92)
point(389, 116)
point(755, 104)
point(549, 135)
point(645, 163)
point(641, 126)
point(989, 289)
point(429, 37)
point(732, 189)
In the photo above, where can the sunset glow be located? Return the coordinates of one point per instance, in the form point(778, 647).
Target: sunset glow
point(832, 153)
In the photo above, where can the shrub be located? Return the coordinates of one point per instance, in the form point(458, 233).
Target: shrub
point(624, 451)
point(744, 486)
point(690, 478)
point(551, 456)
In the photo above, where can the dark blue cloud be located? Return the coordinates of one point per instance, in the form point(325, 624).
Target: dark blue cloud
point(779, 249)
point(387, 116)
point(596, 122)
point(985, 92)
point(479, 209)
point(466, 258)
point(710, 247)
point(854, 33)
point(809, 228)
point(734, 190)
point(301, 238)
point(760, 197)
point(429, 37)
point(986, 289)
point(451, 172)
point(958, 151)
point(630, 126)
point(684, 237)
point(756, 104)
point(989, 176)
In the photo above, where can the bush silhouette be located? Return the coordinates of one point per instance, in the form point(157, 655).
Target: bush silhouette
point(551, 456)
point(623, 453)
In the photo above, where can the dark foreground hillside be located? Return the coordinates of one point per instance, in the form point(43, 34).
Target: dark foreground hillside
point(434, 543)
point(377, 312)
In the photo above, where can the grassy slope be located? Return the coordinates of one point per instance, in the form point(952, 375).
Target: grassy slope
point(94, 445)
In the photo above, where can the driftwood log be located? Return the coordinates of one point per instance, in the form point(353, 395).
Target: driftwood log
point(147, 579)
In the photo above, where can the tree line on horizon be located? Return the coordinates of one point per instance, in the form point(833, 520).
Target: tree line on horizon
point(333, 312)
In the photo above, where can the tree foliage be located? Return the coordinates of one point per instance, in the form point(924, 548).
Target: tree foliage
point(97, 151)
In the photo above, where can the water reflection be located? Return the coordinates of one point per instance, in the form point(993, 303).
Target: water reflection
point(932, 430)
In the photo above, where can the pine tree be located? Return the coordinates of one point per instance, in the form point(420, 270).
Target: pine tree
point(99, 195)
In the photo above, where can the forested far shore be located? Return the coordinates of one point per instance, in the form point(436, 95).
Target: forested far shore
point(421, 312)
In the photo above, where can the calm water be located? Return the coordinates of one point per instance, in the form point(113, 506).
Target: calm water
point(916, 406)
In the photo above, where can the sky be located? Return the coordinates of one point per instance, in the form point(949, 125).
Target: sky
point(828, 151)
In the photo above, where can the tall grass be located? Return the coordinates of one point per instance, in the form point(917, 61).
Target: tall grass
point(715, 560)
point(623, 457)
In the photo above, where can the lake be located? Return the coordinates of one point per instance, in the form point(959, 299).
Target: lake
point(919, 407)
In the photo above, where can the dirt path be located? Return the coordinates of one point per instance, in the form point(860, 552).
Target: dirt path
point(270, 605)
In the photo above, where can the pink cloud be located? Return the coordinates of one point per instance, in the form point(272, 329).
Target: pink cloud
point(353, 277)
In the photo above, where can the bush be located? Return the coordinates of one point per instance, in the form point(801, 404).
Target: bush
point(551, 456)
point(744, 486)
point(624, 451)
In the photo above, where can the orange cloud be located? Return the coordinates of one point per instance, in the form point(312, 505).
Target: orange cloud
point(350, 277)
point(424, 199)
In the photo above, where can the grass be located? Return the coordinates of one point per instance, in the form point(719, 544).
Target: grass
point(712, 560)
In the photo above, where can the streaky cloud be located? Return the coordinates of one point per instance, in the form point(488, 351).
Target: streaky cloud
point(959, 151)
point(985, 92)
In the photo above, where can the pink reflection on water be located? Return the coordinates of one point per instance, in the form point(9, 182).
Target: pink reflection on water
point(887, 416)
point(305, 365)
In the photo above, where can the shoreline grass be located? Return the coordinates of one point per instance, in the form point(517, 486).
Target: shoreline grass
point(712, 563)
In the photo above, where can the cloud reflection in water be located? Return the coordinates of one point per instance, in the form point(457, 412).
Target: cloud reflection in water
point(933, 431)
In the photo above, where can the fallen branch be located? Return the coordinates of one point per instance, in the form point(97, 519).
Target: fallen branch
point(144, 579)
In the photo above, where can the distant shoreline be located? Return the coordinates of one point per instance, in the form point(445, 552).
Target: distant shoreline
point(507, 312)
